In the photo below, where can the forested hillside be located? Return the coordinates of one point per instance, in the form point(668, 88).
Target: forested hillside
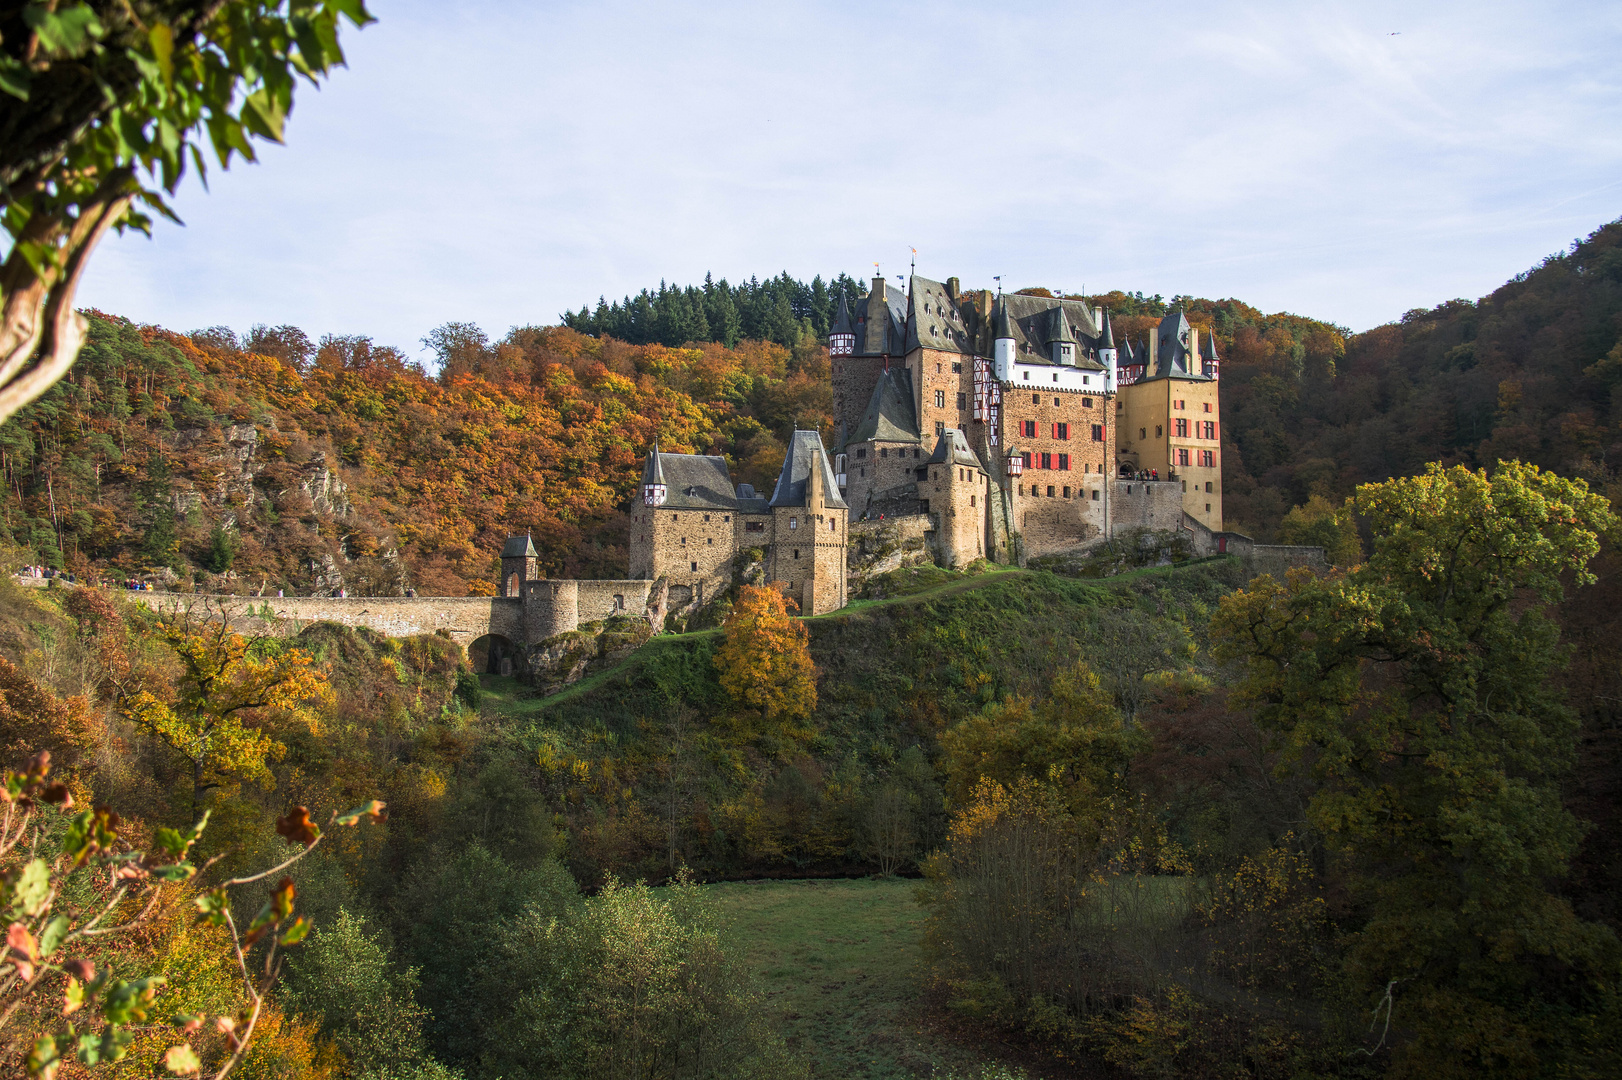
point(290, 464)
point(1529, 372)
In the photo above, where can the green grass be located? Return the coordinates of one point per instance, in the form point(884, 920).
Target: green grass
point(840, 965)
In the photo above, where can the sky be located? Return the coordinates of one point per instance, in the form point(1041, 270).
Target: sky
point(497, 162)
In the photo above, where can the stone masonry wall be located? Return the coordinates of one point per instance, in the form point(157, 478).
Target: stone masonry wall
point(466, 618)
point(1145, 504)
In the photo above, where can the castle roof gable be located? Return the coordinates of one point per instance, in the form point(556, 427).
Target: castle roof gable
point(519, 547)
point(889, 416)
point(805, 453)
point(696, 482)
point(1033, 320)
point(953, 449)
point(933, 319)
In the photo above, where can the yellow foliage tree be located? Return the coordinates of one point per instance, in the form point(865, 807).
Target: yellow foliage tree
point(230, 694)
point(765, 665)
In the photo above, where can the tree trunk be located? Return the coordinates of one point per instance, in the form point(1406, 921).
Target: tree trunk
point(40, 333)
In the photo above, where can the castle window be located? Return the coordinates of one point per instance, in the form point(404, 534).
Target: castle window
point(1025, 460)
point(1207, 508)
point(1182, 457)
point(711, 540)
point(957, 369)
point(884, 453)
point(1061, 431)
point(796, 553)
point(915, 453)
point(940, 428)
point(1207, 406)
point(1050, 491)
point(1098, 433)
point(1180, 428)
point(1055, 400)
point(1208, 487)
point(861, 474)
point(831, 526)
point(1047, 463)
point(695, 567)
point(794, 523)
point(684, 541)
point(725, 518)
point(1022, 489)
point(940, 397)
point(1142, 434)
point(1086, 403)
point(1055, 376)
point(923, 506)
point(754, 526)
point(1064, 462)
point(675, 517)
point(861, 452)
point(937, 369)
point(962, 401)
point(1036, 399)
point(706, 517)
point(971, 500)
point(1067, 492)
point(1095, 494)
point(1157, 431)
point(1027, 428)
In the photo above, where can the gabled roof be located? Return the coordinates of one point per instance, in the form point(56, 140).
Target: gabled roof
point(1030, 320)
point(953, 448)
point(842, 321)
point(1173, 356)
point(933, 319)
point(890, 416)
point(805, 453)
point(519, 547)
point(695, 482)
point(1059, 328)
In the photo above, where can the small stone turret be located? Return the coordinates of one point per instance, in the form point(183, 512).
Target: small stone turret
point(842, 338)
point(520, 562)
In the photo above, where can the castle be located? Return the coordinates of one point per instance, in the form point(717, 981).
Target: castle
point(1014, 424)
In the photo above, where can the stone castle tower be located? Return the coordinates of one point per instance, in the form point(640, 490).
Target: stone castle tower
point(693, 524)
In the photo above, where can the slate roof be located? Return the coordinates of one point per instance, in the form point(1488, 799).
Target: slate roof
point(692, 481)
point(651, 472)
point(953, 448)
point(842, 321)
point(933, 319)
point(1173, 358)
point(890, 416)
point(1032, 320)
point(805, 453)
point(889, 335)
point(1107, 341)
point(519, 547)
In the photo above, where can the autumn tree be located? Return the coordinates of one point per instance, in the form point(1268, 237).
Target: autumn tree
point(103, 105)
point(1420, 692)
point(230, 694)
point(1319, 523)
point(765, 666)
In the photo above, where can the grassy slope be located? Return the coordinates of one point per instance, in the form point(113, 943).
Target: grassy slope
point(897, 670)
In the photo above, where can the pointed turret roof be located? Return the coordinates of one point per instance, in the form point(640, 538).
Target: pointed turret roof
point(1106, 338)
point(842, 322)
point(805, 453)
point(653, 471)
point(1002, 325)
point(519, 547)
point(889, 416)
point(953, 449)
point(1208, 346)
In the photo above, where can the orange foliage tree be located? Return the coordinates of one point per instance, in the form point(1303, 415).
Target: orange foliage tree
point(765, 666)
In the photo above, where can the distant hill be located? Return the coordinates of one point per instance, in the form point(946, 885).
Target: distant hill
point(1531, 371)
